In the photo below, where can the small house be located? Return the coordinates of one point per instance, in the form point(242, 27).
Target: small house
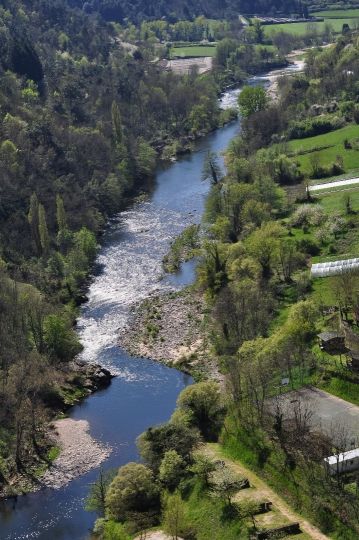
point(332, 342)
point(343, 462)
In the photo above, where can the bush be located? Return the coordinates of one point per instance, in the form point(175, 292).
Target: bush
point(155, 442)
point(308, 214)
point(132, 490)
point(308, 246)
point(315, 126)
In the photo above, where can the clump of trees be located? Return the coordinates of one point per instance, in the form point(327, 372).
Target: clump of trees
point(141, 495)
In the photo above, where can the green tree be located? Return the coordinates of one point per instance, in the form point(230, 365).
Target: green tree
point(85, 243)
point(203, 467)
point(145, 158)
point(60, 213)
point(33, 219)
point(43, 231)
point(211, 169)
point(258, 31)
point(132, 490)
point(116, 123)
point(251, 100)
point(205, 403)
point(173, 515)
point(60, 339)
point(171, 469)
point(96, 500)
point(156, 441)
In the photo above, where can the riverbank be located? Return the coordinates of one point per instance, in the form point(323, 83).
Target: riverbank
point(67, 450)
point(79, 452)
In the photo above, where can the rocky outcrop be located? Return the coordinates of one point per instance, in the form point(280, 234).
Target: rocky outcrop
point(95, 376)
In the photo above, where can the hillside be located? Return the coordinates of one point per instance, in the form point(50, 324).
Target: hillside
point(80, 122)
point(176, 9)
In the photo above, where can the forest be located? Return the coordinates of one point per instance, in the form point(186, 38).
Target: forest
point(175, 10)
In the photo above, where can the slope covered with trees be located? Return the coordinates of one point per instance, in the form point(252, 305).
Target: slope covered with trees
point(81, 118)
point(183, 9)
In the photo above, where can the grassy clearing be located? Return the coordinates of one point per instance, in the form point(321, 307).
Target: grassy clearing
point(301, 28)
point(327, 147)
point(334, 202)
point(337, 13)
point(206, 514)
point(193, 51)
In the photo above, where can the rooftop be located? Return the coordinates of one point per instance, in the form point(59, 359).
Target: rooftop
point(342, 457)
point(327, 336)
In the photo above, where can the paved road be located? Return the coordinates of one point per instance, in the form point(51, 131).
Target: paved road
point(330, 414)
point(337, 183)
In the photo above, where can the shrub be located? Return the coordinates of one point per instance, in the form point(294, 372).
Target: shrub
point(315, 126)
point(308, 214)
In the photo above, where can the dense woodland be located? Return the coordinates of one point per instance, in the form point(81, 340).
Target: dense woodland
point(184, 9)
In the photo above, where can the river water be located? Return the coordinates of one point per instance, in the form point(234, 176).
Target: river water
point(144, 393)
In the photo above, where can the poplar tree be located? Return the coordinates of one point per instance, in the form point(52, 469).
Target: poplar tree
point(43, 230)
point(60, 214)
point(33, 219)
point(116, 123)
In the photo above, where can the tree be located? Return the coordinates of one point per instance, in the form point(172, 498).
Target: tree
point(33, 219)
point(116, 123)
point(156, 441)
point(132, 490)
point(251, 100)
point(211, 169)
point(43, 231)
point(96, 500)
point(263, 243)
point(171, 469)
point(61, 341)
point(225, 484)
point(60, 213)
point(173, 515)
point(203, 467)
point(258, 31)
point(204, 401)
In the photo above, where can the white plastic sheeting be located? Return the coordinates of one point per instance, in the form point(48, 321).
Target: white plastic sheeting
point(334, 268)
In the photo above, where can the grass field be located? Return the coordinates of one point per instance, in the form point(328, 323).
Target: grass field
point(338, 14)
point(194, 51)
point(301, 28)
point(327, 147)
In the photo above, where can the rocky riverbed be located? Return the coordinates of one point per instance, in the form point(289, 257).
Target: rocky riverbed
point(79, 452)
point(171, 329)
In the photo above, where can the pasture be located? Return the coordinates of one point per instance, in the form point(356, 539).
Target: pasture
point(326, 148)
point(193, 51)
point(302, 28)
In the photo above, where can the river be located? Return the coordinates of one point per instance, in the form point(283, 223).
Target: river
point(143, 393)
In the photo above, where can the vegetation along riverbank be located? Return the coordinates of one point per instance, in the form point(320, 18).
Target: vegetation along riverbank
point(279, 333)
point(84, 120)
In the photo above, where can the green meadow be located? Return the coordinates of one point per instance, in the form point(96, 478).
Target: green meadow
point(193, 51)
point(327, 147)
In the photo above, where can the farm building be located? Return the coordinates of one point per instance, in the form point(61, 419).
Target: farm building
point(343, 462)
point(332, 342)
point(334, 268)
